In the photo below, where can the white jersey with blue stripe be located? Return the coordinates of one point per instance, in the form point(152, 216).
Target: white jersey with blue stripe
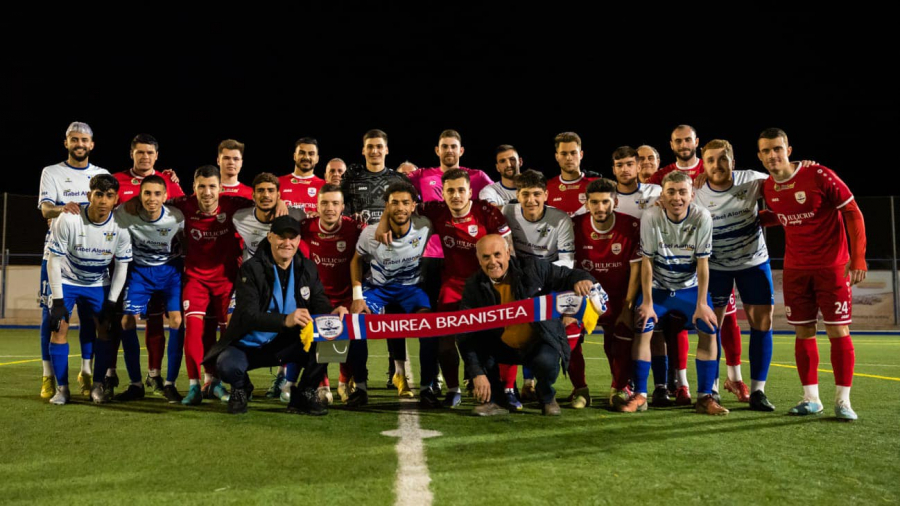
point(674, 247)
point(497, 194)
point(638, 201)
point(62, 183)
point(399, 262)
point(153, 242)
point(87, 248)
point(253, 231)
point(551, 237)
point(738, 240)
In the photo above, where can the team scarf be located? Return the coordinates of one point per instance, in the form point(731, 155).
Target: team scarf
point(371, 326)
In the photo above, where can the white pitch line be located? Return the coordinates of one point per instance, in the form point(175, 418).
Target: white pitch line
point(412, 470)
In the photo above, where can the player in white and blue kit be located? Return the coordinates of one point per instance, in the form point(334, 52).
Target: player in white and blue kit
point(155, 240)
point(64, 189)
point(81, 248)
point(739, 256)
point(676, 242)
point(503, 192)
point(394, 277)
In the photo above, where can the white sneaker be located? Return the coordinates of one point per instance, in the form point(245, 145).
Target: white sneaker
point(842, 410)
point(325, 397)
point(61, 396)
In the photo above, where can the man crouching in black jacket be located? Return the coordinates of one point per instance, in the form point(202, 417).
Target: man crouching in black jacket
point(277, 290)
point(541, 346)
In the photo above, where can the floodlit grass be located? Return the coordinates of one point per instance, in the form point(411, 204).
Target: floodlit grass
point(150, 451)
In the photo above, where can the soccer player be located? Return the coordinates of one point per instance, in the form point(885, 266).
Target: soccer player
point(331, 241)
point(648, 161)
point(394, 278)
point(230, 161)
point(253, 223)
point(300, 188)
point(607, 245)
point(81, 248)
point(156, 233)
point(334, 171)
point(504, 191)
point(144, 154)
point(407, 167)
point(676, 241)
point(64, 188)
point(813, 205)
point(566, 191)
point(363, 186)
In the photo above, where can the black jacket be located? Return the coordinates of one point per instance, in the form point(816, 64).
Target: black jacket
point(254, 293)
point(530, 277)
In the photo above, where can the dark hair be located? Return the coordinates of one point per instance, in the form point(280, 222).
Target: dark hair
point(601, 185)
point(679, 127)
point(208, 171)
point(154, 179)
point(452, 174)
point(400, 187)
point(144, 139)
point(329, 188)
point(530, 179)
point(566, 137)
point(266, 177)
point(504, 147)
point(773, 133)
point(104, 183)
point(306, 140)
point(624, 152)
point(453, 134)
point(231, 144)
point(375, 134)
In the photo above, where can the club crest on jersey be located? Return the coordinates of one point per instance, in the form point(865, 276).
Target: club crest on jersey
point(135, 180)
point(221, 217)
point(304, 292)
point(449, 242)
point(642, 203)
point(196, 234)
point(109, 235)
point(787, 311)
point(163, 231)
point(562, 187)
point(544, 232)
point(616, 248)
point(568, 303)
point(311, 191)
point(341, 246)
point(800, 196)
point(186, 304)
point(415, 241)
point(742, 195)
point(473, 230)
point(329, 326)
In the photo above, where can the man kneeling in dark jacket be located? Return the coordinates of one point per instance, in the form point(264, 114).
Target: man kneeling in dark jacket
point(277, 290)
point(541, 346)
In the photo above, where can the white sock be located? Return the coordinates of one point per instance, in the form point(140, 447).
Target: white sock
point(454, 390)
point(757, 385)
point(811, 393)
point(681, 379)
point(167, 383)
point(715, 387)
point(287, 386)
point(111, 373)
point(734, 373)
point(195, 382)
point(208, 377)
point(154, 373)
point(48, 368)
point(842, 395)
point(86, 366)
point(400, 367)
point(509, 391)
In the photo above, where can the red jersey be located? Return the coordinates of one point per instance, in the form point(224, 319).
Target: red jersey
point(694, 171)
point(808, 206)
point(240, 189)
point(332, 252)
point(607, 255)
point(568, 196)
point(130, 185)
point(211, 244)
point(459, 235)
point(302, 192)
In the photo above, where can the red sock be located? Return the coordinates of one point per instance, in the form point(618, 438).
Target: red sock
point(324, 382)
point(843, 358)
point(155, 339)
point(576, 366)
point(193, 346)
point(683, 346)
point(346, 373)
point(508, 373)
point(731, 339)
point(807, 354)
point(622, 359)
point(610, 351)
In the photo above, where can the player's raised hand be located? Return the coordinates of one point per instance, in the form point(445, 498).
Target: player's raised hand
point(807, 163)
point(700, 180)
point(172, 175)
point(281, 209)
point(300, 317)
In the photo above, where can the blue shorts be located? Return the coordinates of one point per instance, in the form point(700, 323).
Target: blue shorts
point(44, 290)
point(410, 297)
point(144, 281)
point(87, 297)
point(682, 301)
point(753, 283)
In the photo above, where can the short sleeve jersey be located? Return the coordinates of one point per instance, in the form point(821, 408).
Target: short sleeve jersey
point(397, 264)
point(211, 244)
point(153, 242)
point(300, 191)
point(364, 191)
point(332, 251)
point(547, 238)
point(498, 195)
point(252, 231)
point(458, 235)
point(674, 247)
point(62, 183)
point(643, 198)
point(428, 182)
point(808, 206)
point(607, 254)
point(130, 185)
point(240, 189)
point(568, 195)
point(738, 240)
point(87, 248)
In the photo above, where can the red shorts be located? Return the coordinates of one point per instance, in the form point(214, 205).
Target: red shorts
point(808, 291)
point(731, 308)
point(200, 294)
point(451, 294)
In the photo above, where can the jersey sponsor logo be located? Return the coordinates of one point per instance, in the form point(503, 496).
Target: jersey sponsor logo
point(800, 196)
point(780, 187)
point(794, 219)
point(329, 326)
point(294, 180)
point(582, 198)
point(135, 180)
point(432, 182)
point(304, 292)
point(616, 248)
point(587, 264)
point(362, 188)
point(311, 191)
point(568, 303)
point(341, 246)
point(196, 234)
point(449, 242)
point(221, 217)
point(595, 236)
point(473, 230)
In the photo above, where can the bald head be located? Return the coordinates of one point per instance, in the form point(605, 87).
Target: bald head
point(493, 256)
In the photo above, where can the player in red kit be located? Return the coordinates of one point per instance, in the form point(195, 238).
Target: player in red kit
point(813, 205)
point(230, 161)
point(566, 191)
point(301, 187)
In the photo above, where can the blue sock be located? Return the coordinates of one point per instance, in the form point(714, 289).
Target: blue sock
point(292, 372)
point(45, 334)
point(174, 353)
point(641, 374)
point(718, 353)
point(527, 374)
point(103, 353)
point(132, 348)
point(87, 334)
point(660, 366)
point(760, 354)
point(706, 375)
point(59, 355)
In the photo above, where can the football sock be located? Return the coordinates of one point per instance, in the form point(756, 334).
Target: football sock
point(132, 349)
point(660, 365)
point(155, 340)
point(706, 374)
point(843, 358)
point(681, 378)
point(527, 374)
point(87, 334)
point(806, 352)
point(153, 373)
point(734, 373)
point(731, 340)
point(45, 341)
point(399, 368)
point(103, 359)
point(59, 355)
point(193, 382)
point(508, 374)
point(842, 393)
point(641, 373)
point(811, 392)
point(175, 352)
point(292, 372)
point(757, 385)
point(86, 365)
point(683, 347)
point(193, 345)
point(47, 364)
point(623, 369)
point(760, 354)
point(454, 390)
point(576, 368)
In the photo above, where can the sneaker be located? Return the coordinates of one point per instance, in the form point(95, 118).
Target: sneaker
point(581, 398)
point(512, 402)
point(739, 389)
point(285, 395)
point(132, 393)
point(358, 398)
point(716, 397)
point(109, 386)
point(452, 399)
point(489, 409)
point(343, 392)
point(842, 410)
point(528, 393)
point(429, 400)
point(660, 397)
point(683, 396)
point(707, 405)
point(805, 407)
point(155, 384)
point(48, 386)
point(85, 381)
point(402, 385)
point(306, 402)
point(99, 393)
point(759, 402)
point(237, 401)
point(618, 399)
point(274, 391)
point(325, 396)
point(219, 391)
point(194, 396)
point(171, 394)
point(636, 403)
point(551, 409)
point(62, 396)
